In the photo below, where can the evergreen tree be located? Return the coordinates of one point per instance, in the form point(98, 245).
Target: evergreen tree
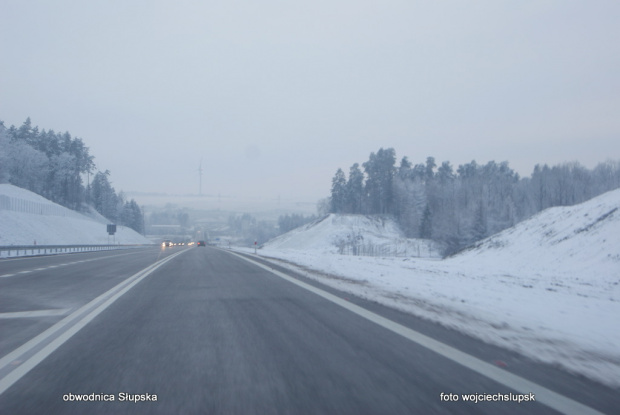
point(25, 132)
point(430, 168)
point(404, 170)
point(463, 206)
point(103, 196)
point(131, 216)
point(48, 164)
point(445, 173)
point(339, 192)
point(355, 190)
point(379, 187)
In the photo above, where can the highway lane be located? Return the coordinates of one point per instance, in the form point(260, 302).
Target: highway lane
point(210, 333)
point(37, 292)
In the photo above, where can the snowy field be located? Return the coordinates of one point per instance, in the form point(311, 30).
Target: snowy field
point(21, 223)
point(547, 288)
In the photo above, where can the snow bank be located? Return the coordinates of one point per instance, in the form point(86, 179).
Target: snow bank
point(355, 234)
point(548, 288)
point(21, 225)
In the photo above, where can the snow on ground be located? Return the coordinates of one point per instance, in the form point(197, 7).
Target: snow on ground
point(28, 217)
point(368, 235)
point(547, 288)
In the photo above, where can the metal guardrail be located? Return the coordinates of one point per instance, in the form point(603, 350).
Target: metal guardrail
point(30, 250)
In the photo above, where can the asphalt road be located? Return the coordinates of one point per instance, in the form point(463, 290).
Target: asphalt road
point(207, 332)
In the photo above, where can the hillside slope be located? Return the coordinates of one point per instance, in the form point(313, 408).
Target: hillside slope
point(26, 218)
point(548, 288)
point(568, 239)
point(350, 234)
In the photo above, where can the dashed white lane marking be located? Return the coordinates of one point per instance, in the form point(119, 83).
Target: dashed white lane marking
point(36, 313)
point(59, 265)
point(21, 360)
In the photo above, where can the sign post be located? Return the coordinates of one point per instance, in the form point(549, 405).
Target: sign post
point(111, 231)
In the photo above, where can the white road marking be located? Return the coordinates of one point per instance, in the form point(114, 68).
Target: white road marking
point(21, 360)
point(543, 395)
point(60, 265)
point(60, 255)
point(36, 313)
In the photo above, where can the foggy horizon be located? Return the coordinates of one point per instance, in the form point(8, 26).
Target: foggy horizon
point(275, 98)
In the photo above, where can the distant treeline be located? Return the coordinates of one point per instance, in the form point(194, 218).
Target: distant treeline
point(250, 230)
point(53, 165)
point(459, 207)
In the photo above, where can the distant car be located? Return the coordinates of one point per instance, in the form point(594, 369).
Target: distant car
point(202, 243)
point(167, 243)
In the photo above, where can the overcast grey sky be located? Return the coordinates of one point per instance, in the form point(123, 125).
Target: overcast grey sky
point(274, 96)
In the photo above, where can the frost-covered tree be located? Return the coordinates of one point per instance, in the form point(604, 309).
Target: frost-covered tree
point(47, 163)
point(28, 168)
point(380, 172)
point(339, 192)
point(131, 216)
point(410, 199)
point(104, 196)
point(354, 193)
point(458, 207)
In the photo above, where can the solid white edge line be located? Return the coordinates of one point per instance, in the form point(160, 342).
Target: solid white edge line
point(543, 395)
point(23, 368)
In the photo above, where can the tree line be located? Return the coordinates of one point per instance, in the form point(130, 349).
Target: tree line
point(460, 206)
point(53, 165)
point(249, 229)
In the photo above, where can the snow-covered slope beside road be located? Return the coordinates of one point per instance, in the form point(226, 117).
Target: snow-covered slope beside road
point(26, 217)
point(350, 234)
point(548, 288)
point(568, 239)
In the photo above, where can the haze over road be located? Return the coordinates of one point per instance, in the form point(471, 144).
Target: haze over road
point(209, 332)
